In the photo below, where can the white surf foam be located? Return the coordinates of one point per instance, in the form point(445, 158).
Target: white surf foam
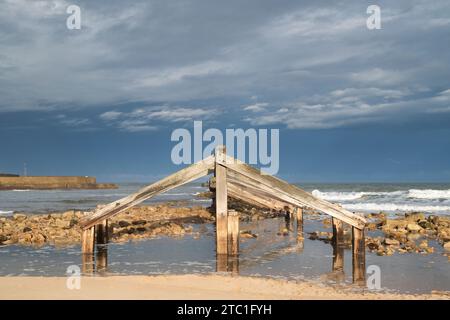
point(348, 196)
point(337, 196)
point(4, 213)
point(429, 194)
point(394, 207)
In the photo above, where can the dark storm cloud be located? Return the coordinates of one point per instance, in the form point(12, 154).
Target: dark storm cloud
point(303, 64)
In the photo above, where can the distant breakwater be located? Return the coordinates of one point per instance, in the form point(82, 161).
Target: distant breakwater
point(52, 182)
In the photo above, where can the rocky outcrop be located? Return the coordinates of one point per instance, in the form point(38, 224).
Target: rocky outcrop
point(62, 229)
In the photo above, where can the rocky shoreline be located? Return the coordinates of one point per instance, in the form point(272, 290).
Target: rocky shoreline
point(408, 234)
point(62, 229)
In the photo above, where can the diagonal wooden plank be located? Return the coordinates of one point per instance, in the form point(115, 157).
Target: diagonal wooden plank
point(286, 191)
point(237, 192)
point(176, 179)
point(256, 196)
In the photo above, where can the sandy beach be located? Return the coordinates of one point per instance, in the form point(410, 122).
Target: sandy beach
point(186, 287)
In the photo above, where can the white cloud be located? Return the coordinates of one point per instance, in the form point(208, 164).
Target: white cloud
point(110, 115)
point(256, 106)
point(148, 118)
point(338, 108)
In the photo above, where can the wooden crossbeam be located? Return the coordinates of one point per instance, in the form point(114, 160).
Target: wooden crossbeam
point(290, 193)
point(259, 199)
point(186, 175)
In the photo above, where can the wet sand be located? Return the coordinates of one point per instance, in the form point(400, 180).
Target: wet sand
point(186, 287)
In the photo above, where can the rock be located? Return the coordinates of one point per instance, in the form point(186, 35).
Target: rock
point(425, 224)
point(248, 234)
point(412, 227)
point(68, 214)
point(389, 251)
point(138, 222)
point(423, 244)
point(391, 242)
point(27, 229)
point(123, 224)
point(372, 246)
point(63, 224)
point(415, 217)
point(19, 216)
point(38, 238)
point(447, 246)
point(394, 225)
point(3, 238)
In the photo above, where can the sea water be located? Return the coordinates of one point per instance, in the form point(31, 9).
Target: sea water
point(432, 198)
point(269, 255)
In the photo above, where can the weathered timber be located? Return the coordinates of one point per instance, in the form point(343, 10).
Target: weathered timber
point(87, 241)
point(177, 179)
point(291, 193)
point(338, 231)
point(87, 263)
point(299, 219)
point(221, 203)
point(233, 233)
point(252, 196)
point(358, 255)
point(101, 259)
point(101, 231)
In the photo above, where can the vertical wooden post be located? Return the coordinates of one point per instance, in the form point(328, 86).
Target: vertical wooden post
point(101, 262)
point(233, 233)
point(233, 265)
point(299, 218)
point(358, 255)
point(221, 203)
point(102, 232)
point(221, 263)
point(287, 220)
point(338, 249)
point(87, 263)
point(87, 241)
point(87, 250)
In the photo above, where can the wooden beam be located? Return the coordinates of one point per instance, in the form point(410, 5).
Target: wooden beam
point(299, 218)
point(358, 256)
point(291, 193)
point(101, 259)
point(253, 197)
point(221, 203)
point(87, 241)
point(101, 231)
point(176, 179)
point(233, 233)
point(338, 231)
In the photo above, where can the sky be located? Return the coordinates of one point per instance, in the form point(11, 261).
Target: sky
point(351, 104)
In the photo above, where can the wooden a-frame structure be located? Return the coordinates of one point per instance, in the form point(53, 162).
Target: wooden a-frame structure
point(241, 181)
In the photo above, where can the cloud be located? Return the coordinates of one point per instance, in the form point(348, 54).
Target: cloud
point(313, 63)
point(149, 118)
point(351, 106)
point(73, 122)
point(256, 107)
point(110, 115)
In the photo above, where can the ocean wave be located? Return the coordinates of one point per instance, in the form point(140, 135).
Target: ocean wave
point(174, 194)
point(20, 190)
point(4, 213)
point(394, 207)
point(338, 196)
point(348, 196)
point(429, 194)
